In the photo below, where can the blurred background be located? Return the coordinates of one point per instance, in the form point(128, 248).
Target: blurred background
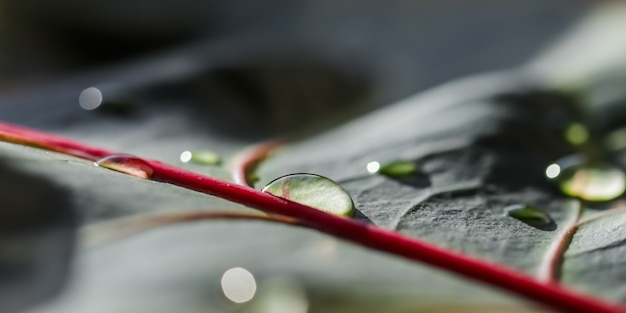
point(284, 61)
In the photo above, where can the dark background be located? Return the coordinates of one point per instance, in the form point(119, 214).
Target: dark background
point(285, 61)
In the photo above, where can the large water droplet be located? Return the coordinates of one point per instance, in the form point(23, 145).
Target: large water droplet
point(593, 182)
point(529, 215)
point(127, 164)
point(204, 157)
point(238, 285)
point(393, 169)
point(313, 190)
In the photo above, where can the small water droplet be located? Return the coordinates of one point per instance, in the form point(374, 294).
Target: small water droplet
point(238, 285)
point(204, 157)
point(127, 164)
point(591, 182)
point(393, 169)
point(313, 190)
point(90, 98)
point(529, 215)
point(576, 134)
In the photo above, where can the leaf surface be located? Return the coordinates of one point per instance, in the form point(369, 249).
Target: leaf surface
point(481, 143)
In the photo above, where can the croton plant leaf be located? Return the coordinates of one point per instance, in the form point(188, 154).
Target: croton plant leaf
point(462, 166)
point(480, 145)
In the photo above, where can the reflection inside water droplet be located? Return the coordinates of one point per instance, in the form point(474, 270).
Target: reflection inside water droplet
point(238, 285)
point(204, 157)
point(595, 182)
point(126, 164)
point(313, 190)
point(90, 98)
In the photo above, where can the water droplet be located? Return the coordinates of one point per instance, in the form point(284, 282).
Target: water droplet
point(313, 190)
point(205, 157)
point(90, 98)
point(126, 164)
point(593, 182)
point(576, 134)
point(393, 169)
point(529, 215)
point(238, 285)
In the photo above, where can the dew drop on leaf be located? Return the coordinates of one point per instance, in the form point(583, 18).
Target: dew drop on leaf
point(593, 182)
point(393, 169)
point(313, 190)
point(127, 164)
point(204, 157)
point(528, 215)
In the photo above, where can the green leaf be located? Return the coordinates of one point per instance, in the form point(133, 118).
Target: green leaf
point(181, 265)
point(491, 153)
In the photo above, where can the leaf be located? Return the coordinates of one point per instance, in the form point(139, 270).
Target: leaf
point(490, 153)
point(481, 150)
point(596, 255)
point(178, 267)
